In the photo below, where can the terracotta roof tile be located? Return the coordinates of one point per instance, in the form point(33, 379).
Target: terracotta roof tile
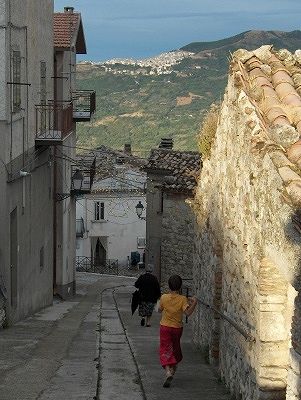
point(66, 29)
point(181, 167)
point(272, 82)
point(106, 161)
point(274, 78)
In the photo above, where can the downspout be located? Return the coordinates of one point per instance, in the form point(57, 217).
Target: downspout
point(10, 78)
point(54, 188)
point(26, 119)
point(27, 94)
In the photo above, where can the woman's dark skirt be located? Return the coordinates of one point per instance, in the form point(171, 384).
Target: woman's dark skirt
point(146, 309)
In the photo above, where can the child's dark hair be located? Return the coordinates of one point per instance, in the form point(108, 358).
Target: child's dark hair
point(175, 282)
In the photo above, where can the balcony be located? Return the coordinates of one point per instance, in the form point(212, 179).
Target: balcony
point(54, 122)
point(84, 105)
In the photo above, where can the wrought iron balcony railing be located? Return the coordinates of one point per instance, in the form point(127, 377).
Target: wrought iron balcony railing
point(84, 105)
point(53, 123)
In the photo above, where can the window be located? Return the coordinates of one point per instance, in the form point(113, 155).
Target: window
point(161, 201)
point(42, 258)
point(141, 242)
point(16, 81)
point(99, 211)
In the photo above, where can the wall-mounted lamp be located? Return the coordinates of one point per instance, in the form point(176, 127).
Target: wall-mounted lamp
point(76, 186)
point(77, 180)
point(139, 210)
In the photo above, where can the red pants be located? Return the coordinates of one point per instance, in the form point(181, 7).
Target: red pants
point(170, 346)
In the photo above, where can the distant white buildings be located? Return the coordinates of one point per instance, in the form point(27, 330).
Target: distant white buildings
point(108, 227)
point(159, 65)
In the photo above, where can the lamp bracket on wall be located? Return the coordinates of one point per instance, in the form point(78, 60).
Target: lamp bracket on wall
point(61, 196)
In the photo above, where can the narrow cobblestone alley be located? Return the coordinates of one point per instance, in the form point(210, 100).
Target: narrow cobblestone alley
point(54, 354)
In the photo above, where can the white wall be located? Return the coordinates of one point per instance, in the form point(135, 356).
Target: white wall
point(121, 225)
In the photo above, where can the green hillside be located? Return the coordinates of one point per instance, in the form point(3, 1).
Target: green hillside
point(141, 109)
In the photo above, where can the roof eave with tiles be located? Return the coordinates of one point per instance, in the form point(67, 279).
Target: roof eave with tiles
point(272, 82)
point(106, 161)
point(182, 168)
point(68, 32)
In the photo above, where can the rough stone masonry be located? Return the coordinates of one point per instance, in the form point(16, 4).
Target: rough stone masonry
point(247, 244)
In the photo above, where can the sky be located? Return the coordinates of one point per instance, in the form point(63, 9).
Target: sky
point(145, 28)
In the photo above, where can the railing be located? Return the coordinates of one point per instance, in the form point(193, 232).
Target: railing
point(246, 335)
point(87, 264)
point(84, 104)
point(249, 338)
point(53, 121)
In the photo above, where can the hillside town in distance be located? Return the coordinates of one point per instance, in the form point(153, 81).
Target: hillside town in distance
point(159, 65)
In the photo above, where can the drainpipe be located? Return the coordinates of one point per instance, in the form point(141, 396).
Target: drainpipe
point(54, 188)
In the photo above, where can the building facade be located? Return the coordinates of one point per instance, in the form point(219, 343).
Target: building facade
point(108, 226)
point(26, 68)
point(69, 41)
point(35, 119)
point(171, 181)
point(247, 263)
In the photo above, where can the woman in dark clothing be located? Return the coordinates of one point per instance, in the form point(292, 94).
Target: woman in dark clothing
point(150, 292)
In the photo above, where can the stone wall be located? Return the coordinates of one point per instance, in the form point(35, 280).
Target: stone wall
point(247, 255)
point(177, 238)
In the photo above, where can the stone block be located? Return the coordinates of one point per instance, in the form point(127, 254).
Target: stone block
point(273, 298)
point(272, 326)
point(273, 354)
point(273, 373)
point(271, 384)
point(279, 307)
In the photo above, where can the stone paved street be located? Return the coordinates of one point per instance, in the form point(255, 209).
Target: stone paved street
point(54, 354)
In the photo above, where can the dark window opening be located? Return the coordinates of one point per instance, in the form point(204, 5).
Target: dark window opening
point(99, 211)
point(42, 258)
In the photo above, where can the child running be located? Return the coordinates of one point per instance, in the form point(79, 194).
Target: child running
point(173, 306)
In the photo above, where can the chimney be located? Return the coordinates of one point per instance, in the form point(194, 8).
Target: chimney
point(127, 148)
point(68, 10)
point(166, 143)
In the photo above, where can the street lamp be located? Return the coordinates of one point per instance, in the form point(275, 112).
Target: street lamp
point(77, 180)
point(139, 209)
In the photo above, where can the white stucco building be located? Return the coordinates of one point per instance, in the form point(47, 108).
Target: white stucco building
point(108, 227)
